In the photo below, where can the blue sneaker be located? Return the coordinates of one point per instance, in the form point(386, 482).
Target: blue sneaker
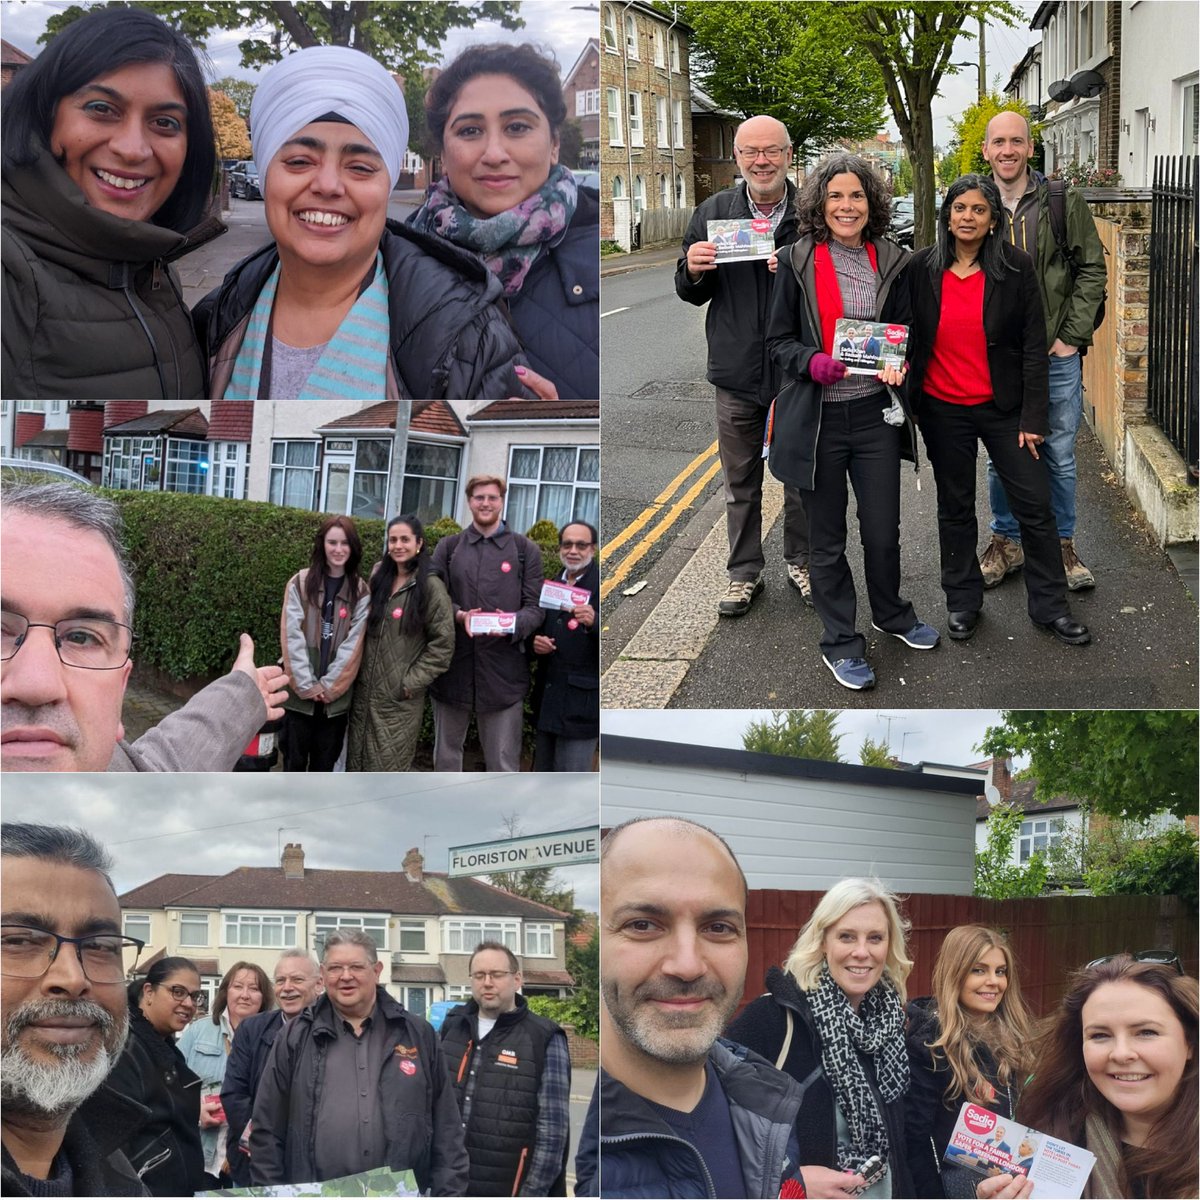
point(852, 673)
point(919, 637)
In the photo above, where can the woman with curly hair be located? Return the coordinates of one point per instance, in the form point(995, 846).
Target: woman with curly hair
point(409, 643)
point(1116, 1072)
point(833, 1019)
point(827, 424)
point(968, 1041)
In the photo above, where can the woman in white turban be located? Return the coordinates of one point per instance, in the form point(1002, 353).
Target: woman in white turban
point(345, 304)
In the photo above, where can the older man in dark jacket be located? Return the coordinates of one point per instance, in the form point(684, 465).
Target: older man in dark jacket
point(738, 295)
point(493, 573)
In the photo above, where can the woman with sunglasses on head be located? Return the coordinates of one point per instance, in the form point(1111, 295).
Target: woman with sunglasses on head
point(969, 1041)
point(109, 159)
point(165, 1151)
point(1116, 1072)
point(205, 1044)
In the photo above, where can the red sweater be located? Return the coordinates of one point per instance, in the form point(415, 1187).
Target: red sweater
point(958, 367)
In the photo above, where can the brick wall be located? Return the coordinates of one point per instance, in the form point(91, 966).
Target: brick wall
point(585, 1053)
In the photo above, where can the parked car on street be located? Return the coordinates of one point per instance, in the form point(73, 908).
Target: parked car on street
point(588, 179)
point(902, 221)
point(244, 181)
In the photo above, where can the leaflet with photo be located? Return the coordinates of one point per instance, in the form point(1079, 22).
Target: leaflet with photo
point(737, 240)
point(989, 1144)
point(866, 347)
point(556, 594)
point(492, 622)
point(377, 1182)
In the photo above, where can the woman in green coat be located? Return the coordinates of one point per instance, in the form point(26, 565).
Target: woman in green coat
point(409, 643)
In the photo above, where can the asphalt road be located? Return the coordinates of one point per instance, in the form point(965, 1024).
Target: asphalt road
point(658, 418)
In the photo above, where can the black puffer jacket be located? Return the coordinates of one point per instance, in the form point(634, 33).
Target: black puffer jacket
point(930, 1116)
point(557, 311)
point(451, 335)
point(566, 689)
point(165, 1151)
point(763, 1026)
point(92, 310)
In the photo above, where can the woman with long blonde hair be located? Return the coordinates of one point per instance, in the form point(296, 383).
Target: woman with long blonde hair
point(969, 1041)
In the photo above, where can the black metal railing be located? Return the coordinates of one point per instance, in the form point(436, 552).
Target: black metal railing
point(1173, 317)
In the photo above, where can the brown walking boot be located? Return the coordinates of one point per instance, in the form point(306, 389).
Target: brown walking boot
point(1078, 576)
point(1002, 557)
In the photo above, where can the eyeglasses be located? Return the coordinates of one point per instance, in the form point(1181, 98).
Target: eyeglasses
point(574, 545)
point(1164, 958)
point(179, 993)
point(771, 153)
point(481, 976)
point(91, 643)
point(339, 969)
point(27, 952)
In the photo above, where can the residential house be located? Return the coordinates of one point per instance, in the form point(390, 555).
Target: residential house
point(66, 432)
point(581, 92)
point(646, 157)
point(713, 130)
point(424, 923)
point(12, 60)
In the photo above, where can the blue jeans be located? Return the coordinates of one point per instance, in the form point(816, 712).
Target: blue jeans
point(1066, 409)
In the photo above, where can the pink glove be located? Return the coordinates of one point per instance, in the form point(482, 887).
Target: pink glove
point(825, 370)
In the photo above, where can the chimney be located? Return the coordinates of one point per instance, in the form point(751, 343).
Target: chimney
point(414, 866)
point(292, 861)
point(1000, 778)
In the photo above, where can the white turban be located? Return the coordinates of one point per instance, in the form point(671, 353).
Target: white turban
point(323, 79)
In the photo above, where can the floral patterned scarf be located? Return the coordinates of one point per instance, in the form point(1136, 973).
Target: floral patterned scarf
point(510, 242)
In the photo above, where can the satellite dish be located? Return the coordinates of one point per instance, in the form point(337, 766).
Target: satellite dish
point(1060, 90)
point(1086, 84)
point(992, 793)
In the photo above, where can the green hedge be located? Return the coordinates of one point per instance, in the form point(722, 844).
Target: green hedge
point(208, 569)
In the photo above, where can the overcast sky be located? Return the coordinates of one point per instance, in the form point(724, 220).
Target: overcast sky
point(923, 734)
point(209, 824)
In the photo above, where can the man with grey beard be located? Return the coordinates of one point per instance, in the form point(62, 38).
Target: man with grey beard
point(65, 1017)
point(682, 1111)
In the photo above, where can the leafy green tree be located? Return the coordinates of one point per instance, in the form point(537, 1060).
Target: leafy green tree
point(570, 142)
point(902, 184)
point(996, 876)
point(971, 128)
point(402, 37)
point(947, 168)
point(1125, 763)
point(240, 91)
point(875, 754)
point(913, 44)
point(787, 61)
point(796, 733)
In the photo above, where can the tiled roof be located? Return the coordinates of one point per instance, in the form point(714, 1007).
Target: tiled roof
point(417, 973)
point(118, 411)
point(231, 421)
point(538, 410)
point(11, 56)
point(1022, 797)
point(28, 425)
point(548, 978)
point(87, 430)
point(49, 437)
point(360, 891)
point(436, 416)
point(204, 966)
point(375, 416)
point(190, 422)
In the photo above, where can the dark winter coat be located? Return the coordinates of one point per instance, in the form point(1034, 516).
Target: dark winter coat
point(247, 1058)
point(642, 1156)
point(566, 689)
point(501, 573)
point(557, 310)
point(92, 1143)
point(762, 1025)
point(738, 296)
point(451, 337)
point(793, 336)
point(397, 666)
point(91, 310)
point(165, 1151)
point(587, 1153)
point(424, 1133)
point(1013, 324)
point(930, 1116)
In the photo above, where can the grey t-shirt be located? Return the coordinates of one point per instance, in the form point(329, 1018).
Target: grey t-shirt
point(290, 368)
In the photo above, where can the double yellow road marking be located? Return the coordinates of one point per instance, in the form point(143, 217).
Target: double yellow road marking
point(707, 464)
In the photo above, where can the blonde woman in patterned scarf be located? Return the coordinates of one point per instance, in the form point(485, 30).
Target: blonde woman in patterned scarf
point(496, 112)
point(833, 1019)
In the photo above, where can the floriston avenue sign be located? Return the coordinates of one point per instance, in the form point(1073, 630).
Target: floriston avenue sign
point(562, 849)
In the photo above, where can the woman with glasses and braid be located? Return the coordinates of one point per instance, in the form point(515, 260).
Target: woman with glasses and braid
point(165, 1151)
point(1115, 1071)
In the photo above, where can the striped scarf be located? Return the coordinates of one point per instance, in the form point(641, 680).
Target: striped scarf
point(353, 365)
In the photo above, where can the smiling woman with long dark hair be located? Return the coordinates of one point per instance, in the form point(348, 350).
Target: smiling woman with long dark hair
point(109, 159)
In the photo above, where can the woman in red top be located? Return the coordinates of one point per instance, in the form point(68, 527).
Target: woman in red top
point(978, 373)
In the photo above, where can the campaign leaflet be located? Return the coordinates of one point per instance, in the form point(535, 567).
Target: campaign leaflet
point(742, 240)
point(989, 1144)
point(556, 594)
point(866, 347)
point(378, 1182)
point(491, 622)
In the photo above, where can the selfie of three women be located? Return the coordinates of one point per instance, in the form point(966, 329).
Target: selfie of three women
point(483, 283)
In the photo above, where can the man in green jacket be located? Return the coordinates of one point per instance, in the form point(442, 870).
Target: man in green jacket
point(1072, 292)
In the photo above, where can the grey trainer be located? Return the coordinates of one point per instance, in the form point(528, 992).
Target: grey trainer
point(739, 596)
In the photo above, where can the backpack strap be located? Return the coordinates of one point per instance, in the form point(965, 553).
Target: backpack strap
point(1058, 219)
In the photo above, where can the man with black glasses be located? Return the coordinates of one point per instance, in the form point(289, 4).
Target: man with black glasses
point(512, 1076)
point(65, 1017)
point(67, 633)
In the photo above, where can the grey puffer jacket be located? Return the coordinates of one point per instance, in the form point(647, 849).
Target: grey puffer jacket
point(91, 309)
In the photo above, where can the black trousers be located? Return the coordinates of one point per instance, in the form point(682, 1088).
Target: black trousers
point(313, 743)
point(855, 441)
point(952, 433)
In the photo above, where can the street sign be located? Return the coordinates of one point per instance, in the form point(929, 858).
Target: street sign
point(561, 849)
